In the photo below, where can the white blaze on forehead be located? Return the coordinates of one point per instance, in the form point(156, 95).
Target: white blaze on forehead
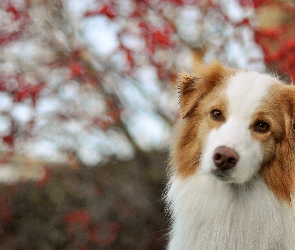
point(245, 90)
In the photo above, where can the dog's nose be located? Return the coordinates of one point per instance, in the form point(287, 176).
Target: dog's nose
point(225, 157)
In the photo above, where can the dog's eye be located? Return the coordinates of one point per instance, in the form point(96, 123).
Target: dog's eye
point(262, 127)
point(217, 115)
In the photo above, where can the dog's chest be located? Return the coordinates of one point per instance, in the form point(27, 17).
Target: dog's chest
point(213, 215)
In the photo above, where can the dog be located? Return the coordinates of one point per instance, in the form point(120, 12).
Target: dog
point(232, 167)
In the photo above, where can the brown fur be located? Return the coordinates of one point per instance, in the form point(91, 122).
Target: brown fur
point(279, 171)
point(192, 89)
point(194, 92)
point(200, 93)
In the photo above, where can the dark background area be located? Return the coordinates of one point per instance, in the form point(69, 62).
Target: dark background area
point(115, 206)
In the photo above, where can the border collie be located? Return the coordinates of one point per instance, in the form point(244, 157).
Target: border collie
point(232, 170)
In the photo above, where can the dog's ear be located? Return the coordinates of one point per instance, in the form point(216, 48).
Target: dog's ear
point(292, 107)
point(288, 96)
point(193, 88)
point(282, 165)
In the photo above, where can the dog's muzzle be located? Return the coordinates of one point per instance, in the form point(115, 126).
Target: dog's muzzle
point(224, 158)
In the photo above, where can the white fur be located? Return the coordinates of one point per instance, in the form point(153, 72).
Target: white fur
point(240, 212)
point(213, 215)
point(244, 94)
point(244, 98)
point(234, 134)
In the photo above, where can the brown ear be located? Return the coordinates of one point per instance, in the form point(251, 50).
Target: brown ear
point(288, 96)
point(192, 89)
point(282, 165)
point(292, 105)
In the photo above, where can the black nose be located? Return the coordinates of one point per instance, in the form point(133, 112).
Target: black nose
point(225, 158)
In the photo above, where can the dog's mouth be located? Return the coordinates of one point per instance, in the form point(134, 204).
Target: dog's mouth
point(223, 175)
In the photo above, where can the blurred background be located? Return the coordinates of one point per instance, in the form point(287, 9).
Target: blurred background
point(86, 108)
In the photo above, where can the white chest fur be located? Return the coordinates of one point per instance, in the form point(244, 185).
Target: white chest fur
point(211, 215)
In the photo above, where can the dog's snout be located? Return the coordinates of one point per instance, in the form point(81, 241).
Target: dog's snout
point(225, 157)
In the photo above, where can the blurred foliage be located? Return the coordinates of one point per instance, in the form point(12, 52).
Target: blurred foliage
point(111, 207)
point(88, 80)
point(276, 36)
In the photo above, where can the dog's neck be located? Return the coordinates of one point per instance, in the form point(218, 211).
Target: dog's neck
point(210, 214)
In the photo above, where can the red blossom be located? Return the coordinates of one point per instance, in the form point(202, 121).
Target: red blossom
point(176, 2)
point(108, 10)
point(245, 22)
point(162, 37)
point(25, 91)
point(9, 140)
point(290, 45)
point(80, 217)
point(5, 211)
point(76, 69)
point(259, 3)
point(22, 18)
point(16, 13)
point(45, 178)
point(130, 58)
point(246, 3)
point(115, 114)
point(8, 38)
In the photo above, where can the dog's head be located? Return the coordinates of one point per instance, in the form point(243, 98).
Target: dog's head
point(235, 125)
